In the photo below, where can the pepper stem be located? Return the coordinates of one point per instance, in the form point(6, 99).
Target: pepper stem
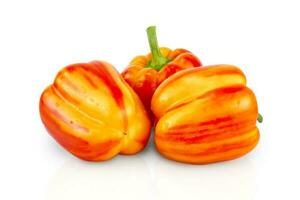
point(260, 118)
point(158, 60)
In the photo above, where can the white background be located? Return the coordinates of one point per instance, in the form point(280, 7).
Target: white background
point(37, 38)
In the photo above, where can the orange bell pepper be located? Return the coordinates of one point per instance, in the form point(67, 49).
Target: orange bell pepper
point(146, 72)
point(205, 115)
point(93, 113)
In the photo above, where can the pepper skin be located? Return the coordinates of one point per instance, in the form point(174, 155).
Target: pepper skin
point(93, 113)
point(145, 73)
point(205, 115)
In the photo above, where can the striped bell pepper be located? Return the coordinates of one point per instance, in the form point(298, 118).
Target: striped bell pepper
point(93, 113)
point(205, 115)
point(146, 72)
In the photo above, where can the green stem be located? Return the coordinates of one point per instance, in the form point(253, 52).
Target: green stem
point(260, 118)
point(158, 60)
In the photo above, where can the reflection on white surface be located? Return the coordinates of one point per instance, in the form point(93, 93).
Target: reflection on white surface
point(234, 180)
point(115, 179)
point(150, 176)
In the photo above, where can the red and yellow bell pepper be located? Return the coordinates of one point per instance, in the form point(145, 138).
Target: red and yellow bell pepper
point(93, 113)
point(205, 115)
point(145, 73)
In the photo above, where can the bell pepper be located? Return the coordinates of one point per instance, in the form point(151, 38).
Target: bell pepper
point(93, 113)
point(205, 115)
point(145, 73)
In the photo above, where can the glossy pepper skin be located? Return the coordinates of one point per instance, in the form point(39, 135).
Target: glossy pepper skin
point(145, 73)
point(93, 113)
point(205, 115)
